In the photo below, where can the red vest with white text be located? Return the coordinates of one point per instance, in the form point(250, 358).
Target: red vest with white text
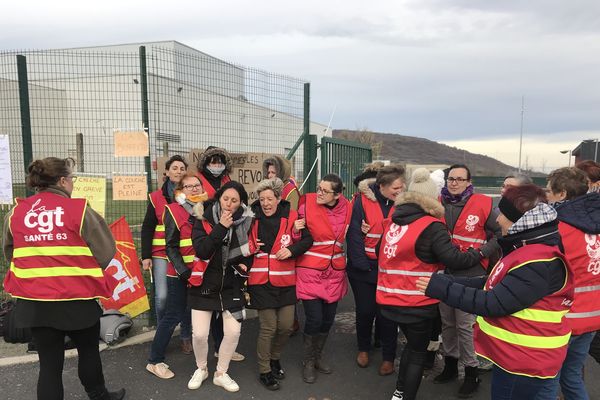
point(375, 218)
point(399, 266)
point(199, 266)
point(211, 191)
point(51, 261)
point(158, 240)
point(583, 253)
point(469, 229)
point(327, 249)
point(267, 268)
point(531, 342)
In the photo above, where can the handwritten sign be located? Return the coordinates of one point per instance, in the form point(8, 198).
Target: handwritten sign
point(131, 144)
point(93, 189)
point(6, 192)
point(129, 187)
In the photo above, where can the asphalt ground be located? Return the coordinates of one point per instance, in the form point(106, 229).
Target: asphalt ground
point(125, 367)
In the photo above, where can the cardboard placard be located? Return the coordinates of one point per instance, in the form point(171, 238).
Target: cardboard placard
point(6, 184)
point(131, 144)
point(129, 187)
point(93, 189)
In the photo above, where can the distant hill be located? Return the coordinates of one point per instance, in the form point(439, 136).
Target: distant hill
point(414, 150)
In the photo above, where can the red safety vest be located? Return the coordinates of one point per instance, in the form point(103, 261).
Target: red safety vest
point(199, 266)
point(469, 229)
point(531, 342)
point(327, 249)
point(51, 261)
point(375, 218)
point(267, 268)
point(158, 240)
point(583, 253)
point(399, 266)
point(211, 191)
point(288, 189)
point(182, 220)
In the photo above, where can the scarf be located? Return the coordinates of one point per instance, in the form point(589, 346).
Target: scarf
point(538, 215)
point(450, 198)
point(241, 227)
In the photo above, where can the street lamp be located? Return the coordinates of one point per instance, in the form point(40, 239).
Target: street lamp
point(565, 152)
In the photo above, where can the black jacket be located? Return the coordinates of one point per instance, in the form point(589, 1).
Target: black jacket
point(269, 296)
point(149, 224)
point(173, 236)
point(222, 288)
point(583, 213)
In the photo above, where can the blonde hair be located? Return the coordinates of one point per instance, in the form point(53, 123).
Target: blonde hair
point(274, 184)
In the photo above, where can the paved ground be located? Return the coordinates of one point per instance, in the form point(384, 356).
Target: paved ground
point(124, 367)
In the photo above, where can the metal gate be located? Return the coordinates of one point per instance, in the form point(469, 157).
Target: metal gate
point(345, 158)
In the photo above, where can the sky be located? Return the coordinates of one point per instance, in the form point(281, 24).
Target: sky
point(450, 71)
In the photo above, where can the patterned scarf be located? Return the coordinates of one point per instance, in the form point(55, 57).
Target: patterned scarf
point(538, 215)
point(450, 198)
point(241, 226)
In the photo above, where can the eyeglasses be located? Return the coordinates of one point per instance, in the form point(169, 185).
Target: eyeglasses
point(456, 180)
point(73, 178)
point(192, 187)
point(323, 191)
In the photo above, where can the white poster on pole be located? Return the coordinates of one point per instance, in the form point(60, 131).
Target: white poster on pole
point(6, 191)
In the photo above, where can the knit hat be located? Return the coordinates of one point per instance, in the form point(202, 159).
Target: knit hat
point(438, 177)
point(421, 182)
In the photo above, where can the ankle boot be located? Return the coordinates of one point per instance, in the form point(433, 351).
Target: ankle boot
point(101, 393)
point(320, 364)
point(308, 360)
point(470, 384)
point(276, 369)
point(450, 371)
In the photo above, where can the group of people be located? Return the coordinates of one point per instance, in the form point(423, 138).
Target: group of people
point(517, 285)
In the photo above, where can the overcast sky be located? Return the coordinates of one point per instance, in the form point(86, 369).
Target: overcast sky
point(450, 71)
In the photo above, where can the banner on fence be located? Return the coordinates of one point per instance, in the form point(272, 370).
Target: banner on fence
point(131, 144)
point(129, 187)
point(130, 295)
point(6, 192)
point(93, 189)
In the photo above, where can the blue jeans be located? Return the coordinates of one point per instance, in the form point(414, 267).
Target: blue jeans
point(159, 275)
point(570, 376)
point(507, 386)
point(174, 311)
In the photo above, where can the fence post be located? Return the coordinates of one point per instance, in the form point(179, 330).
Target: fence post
point(310, 147)
point(25, 114)
point(79, 151)
point(145, 115)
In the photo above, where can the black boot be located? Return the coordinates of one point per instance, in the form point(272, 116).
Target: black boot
point(470, 384)
point(269, 381)
point(320, 364)
point(276, 369)
point(450, 371)
point(309, 374)
point(101, 393)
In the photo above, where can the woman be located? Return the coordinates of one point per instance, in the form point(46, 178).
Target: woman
point(154, 256)
point(41, 232)
point(320, 272)
point(279, 167)
point(178, 222)
point(272, 278)
point(579, 215)
point(222, 238)
point(592, 170)
point(214, 167)
point(521, 326)
point(414, 243)
point(371, 206)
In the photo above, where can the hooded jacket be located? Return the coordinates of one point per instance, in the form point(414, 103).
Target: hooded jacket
point(215, 181)
point(284, 171)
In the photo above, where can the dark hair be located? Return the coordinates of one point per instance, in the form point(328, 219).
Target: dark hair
point(525, 197)
point(336, 182)
point(238, 187)
point(215, 158)
point(455, 166)
point(175, 158)
point(388, 174)
point(591, 169)
point(189, 174)
point(570, 179)
point(48, 171)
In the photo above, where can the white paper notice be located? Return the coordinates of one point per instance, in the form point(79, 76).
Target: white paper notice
point(6, 192)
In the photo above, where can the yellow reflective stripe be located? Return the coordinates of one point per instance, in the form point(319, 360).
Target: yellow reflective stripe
point(159, 228)
point(158, 242)
point(536, 342)
point(540, 315)
point(188, 259)
point(52, 251)
point(48, 272)
point(185, 242)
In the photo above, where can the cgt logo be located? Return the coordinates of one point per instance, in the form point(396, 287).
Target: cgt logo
point(42, 219)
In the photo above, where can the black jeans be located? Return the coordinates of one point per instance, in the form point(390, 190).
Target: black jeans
point(319, 316)
point(50, 345)
point(367, 312)
point(413, 357)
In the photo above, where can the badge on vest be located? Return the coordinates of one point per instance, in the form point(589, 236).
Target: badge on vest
point(44, 221)
point(494, 276)
point(472, 221)
point(392, 237)
point(593, 250)
point(285, 240)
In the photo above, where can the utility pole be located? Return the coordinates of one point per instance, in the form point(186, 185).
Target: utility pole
point(521, 136)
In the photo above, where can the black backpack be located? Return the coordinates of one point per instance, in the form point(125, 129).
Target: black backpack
point(11, 333)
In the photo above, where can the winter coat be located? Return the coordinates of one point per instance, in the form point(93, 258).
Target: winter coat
point(222, 287)
point(149, 224)
point(329, 285)
point(359, 266)
point(432, 246)
point(268, 296)
point(215, 181)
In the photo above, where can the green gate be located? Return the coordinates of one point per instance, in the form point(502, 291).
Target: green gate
point(345, 158)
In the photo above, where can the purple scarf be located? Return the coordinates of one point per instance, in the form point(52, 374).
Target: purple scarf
point(450, 198)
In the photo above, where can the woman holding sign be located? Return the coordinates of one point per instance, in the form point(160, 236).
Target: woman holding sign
point(58, 248)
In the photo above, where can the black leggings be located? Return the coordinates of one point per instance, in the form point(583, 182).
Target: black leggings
point(50, 345)
point(319, 316)
point(413, 357)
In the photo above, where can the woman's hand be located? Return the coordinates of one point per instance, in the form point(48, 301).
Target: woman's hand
point(146, 264)
point(422, 283)
point(364, 227)
point(243, 267)
point(283, 254)
point(226, 218)
point(299, 224)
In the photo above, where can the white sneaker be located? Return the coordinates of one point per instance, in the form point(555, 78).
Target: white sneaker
point(235, 357)
point(199, 376)
point(161, 370)
point(398, 395)
point(226, 382)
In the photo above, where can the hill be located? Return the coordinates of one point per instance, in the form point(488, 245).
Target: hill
point(414, 150)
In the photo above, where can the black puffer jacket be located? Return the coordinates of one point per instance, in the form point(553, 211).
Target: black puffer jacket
point(222, 288)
